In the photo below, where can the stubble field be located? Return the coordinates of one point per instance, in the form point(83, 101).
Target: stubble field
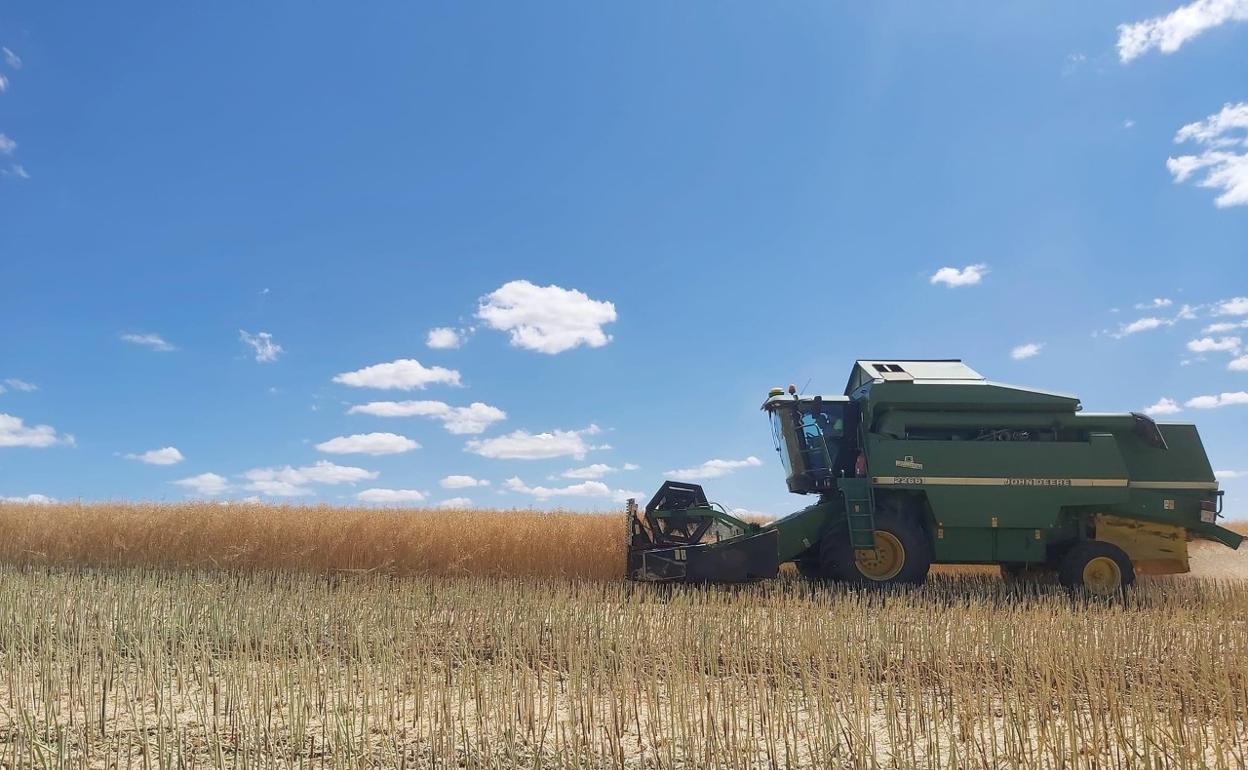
point(245, 636)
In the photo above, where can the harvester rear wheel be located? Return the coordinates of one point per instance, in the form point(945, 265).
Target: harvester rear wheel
point(902, 554)
point(1098, 568)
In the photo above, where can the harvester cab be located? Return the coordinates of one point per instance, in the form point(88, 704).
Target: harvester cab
point(923, 462)
point(816, 438)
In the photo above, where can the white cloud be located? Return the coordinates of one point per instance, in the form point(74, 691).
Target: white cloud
point(1223, 161)
point(595, 471)
point(166, 456)
point(1128, 123)
point(953, 277)
point(4, 84)
point(1169, 32)
point(368, 444)
point(522, 445)
point(1214, 402)
point(462, 482)
point(1163, 406)
point(13, 432)
point(1158, 302)
point(456, 502)
point(22, 385)
point(1211, 345)
point(444, 338)
point(1230, 474)
point(1142, 325)
point(35, 499)
point(403, 374)
point(1238, 364)
point(390, 496)
point(712, 469)
point(205, 484)
point(584, 489)
point(153, 341)
point(16, 170)
point(7, 145)
point(1224, 326)
point(1232, 306)
point(1026, 351)
point(262, 345)
point(547, 319)
point(474, 418)
point(289, 482)
point(12, 59)
point(742, 513)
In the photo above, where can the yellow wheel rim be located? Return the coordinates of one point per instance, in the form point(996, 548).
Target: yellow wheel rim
point(1102, 576)
point(885, 560)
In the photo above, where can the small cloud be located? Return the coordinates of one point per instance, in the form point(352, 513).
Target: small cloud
point(522, 445)
point(166, 456)
point(262, 344)
point(462, 482)
point(403, 374)
point(1128, 123)
point(1239, 364)
point(14, 432)
point(4, 84)
point(712, 469)
point(1223, 162)
point(1073, 62)
point(17, 170)
point(584, 489)
point(1023, 352)
point(1163, 406)
point(390, 496)
point(368, 444)
point(1233, 306)
point(22, 385)
point(1167, 33)
point(596, 471)
point(1211, 345)
point(1156, 303)
point(7, 145)
point(292, 482)
point(29, 499)
point(474, 418)
point(153, 341)
point(953, 277)
point(1142, 325)
point(205, 484)
point(445, 338)
point(1224, 326)
point(13, 60)
point(1186, 313)
point(1237, 398)
point(264, 291)
point(456, 502)
point(546, 319)
point(1225, 475)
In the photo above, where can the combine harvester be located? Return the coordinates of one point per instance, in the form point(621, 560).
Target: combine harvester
point(925, 462)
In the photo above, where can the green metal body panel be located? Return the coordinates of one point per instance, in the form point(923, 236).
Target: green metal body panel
point(996, 473)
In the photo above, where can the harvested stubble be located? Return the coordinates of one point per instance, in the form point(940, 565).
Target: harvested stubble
point(158, 668)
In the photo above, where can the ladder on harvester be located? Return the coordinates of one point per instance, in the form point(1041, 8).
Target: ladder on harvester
point(858, 512)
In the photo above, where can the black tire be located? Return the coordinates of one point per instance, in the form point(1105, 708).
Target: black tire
point(838, 561)
point(810, 568)
point(1080, 558)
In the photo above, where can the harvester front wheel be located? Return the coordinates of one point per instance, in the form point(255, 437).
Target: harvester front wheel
point(1099, 569)
point(902, 553)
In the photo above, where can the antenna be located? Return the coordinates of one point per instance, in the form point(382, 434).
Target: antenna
point(805, 386)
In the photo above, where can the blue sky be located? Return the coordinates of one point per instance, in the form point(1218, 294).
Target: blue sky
point(222, 226)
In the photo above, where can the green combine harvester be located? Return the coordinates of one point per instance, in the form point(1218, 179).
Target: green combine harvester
point(926, 462)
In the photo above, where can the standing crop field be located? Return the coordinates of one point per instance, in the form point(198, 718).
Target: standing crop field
point(246, 666)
